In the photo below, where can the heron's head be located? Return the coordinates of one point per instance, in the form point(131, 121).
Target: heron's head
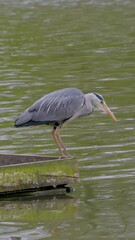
point(99, 102)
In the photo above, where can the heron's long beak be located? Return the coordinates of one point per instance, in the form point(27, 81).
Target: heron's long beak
point(107, 110)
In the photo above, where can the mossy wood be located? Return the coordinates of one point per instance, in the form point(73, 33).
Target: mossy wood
point(20, 173)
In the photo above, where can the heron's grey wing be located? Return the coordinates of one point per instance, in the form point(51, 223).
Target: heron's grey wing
point(58, 106)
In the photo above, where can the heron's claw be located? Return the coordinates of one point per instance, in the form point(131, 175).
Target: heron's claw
point(66, 156)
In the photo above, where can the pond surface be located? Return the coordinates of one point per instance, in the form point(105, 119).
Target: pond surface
point(48, 45)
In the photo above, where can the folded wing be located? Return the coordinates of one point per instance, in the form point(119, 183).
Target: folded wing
point(54, 107)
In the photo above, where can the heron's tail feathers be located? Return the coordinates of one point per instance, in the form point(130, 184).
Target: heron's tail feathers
point(24, 119)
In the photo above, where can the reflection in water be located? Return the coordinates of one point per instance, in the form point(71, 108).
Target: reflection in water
point(48, 45)
point(45, 215)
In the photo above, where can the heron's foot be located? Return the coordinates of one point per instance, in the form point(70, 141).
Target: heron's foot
point(63, 156)
point(73, 157)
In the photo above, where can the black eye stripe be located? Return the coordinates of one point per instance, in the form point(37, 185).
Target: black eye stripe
point(99, 96)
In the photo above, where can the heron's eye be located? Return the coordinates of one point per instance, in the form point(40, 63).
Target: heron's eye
point(102, 102)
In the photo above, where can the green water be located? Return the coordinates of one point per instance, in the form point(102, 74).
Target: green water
point(48, 45)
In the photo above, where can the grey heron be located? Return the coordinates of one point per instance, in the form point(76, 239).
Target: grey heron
point(61, 106)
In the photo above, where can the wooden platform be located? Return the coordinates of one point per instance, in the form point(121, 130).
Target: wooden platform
point(24, 173)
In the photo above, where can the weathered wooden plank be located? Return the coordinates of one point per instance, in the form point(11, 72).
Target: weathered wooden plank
point(9, 159)
point(23, 172)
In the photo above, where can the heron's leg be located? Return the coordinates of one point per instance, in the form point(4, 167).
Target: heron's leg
point(54, 133)
point(61, 142)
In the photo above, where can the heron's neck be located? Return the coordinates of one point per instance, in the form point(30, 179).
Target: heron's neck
point(89, 102)
point(89, 98)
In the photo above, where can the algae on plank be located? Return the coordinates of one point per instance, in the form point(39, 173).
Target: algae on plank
point(38, 174)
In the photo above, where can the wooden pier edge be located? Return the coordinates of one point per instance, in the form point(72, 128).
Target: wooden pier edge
point(29, 173)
